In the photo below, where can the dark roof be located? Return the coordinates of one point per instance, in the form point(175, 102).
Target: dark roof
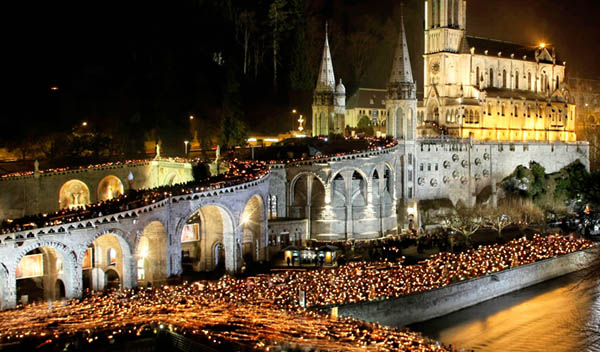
point(364, 96)
point(494, 46)
point(513, 93)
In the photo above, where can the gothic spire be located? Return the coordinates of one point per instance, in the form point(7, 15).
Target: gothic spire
point(401, 69)
point(326, 81)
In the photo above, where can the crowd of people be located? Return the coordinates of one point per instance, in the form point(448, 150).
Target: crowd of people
point(239, 172)
point(268, 311)
point(373, 144)
point(63, 169)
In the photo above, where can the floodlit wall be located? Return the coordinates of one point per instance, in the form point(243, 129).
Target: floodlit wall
point(39, 192)
point(435, 303)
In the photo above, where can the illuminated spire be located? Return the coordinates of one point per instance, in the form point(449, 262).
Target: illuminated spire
point(401, 69)
point(326, 81)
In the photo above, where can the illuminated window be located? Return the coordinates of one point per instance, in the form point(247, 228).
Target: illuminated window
point(272, 200)
point(111, 256)
point(140, 269)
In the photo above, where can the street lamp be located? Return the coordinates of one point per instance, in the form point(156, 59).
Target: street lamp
point(186, 147)
point(191, 117)
point(294, 111)
point(84, 123)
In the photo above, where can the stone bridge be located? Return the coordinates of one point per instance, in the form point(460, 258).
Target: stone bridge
point(49, 190)
point(223, 227)
point(342, 197)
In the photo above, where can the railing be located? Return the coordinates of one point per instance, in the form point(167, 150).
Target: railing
point(194, 193)
point(80, 169)
point(321, 159)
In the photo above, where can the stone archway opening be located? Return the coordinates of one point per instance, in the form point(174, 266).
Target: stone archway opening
point(39, 276)
point(152, 255)
point(110, 187)
point(253, 225)
point(203, 239)
point(104, 264)
point(73, 194)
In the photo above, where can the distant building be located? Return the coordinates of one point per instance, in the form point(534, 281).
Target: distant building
point(367, 102)
point(329, 100)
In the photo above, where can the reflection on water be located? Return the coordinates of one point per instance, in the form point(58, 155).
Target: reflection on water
point(551, 316)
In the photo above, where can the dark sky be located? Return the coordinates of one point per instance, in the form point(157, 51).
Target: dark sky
point(571, 26)
point(48, 42)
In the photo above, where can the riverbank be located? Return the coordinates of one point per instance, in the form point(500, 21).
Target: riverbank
point(437, 302)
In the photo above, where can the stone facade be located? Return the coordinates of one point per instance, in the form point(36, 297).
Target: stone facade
point(490, 89)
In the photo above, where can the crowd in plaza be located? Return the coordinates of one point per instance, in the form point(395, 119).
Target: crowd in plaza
point(239, 172)
point(266, 311)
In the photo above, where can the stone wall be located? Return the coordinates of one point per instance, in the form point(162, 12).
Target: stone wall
point(451, 169)
point(39, 192)
point(435, 303)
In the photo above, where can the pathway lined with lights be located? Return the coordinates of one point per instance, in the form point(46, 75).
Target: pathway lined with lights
point(263, 312)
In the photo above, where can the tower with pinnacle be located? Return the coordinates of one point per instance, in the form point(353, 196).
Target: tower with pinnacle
point(401, 106)
point(401, 102)
point(329, 100)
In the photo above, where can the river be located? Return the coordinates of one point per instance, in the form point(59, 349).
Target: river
point(552, 316)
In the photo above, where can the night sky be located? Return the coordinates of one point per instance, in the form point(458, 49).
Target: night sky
point(99, 52)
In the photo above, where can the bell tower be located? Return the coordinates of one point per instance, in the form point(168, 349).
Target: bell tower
point(445, 25)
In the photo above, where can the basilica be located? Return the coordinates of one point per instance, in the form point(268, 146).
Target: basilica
point(488, 106)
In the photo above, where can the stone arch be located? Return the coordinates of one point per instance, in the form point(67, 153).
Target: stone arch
point(151, 254)
point(216, 224)
point(299, 199)
point(73, 193)
point(171, 179)
point(359, 192)
point(323, 124)
point(252, 221)
point(100, 243)
point(110, 187)
point(67, 271)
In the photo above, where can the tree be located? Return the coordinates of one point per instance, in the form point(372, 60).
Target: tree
point(465, 222)
point(364, 126)
point(233, 132)
point(525, 214)
point(361, 44)
point(498, 218)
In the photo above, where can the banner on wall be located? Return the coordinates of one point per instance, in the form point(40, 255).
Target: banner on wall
point(190, 233)
point(30, 266)
point(87, 259)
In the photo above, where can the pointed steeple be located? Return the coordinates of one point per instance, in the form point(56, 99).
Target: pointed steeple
point(326, 81)
point(401, 68)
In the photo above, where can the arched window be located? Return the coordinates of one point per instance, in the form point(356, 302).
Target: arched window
point(502, 109)
point(528, 111)
point(516, 113)
point(529, 81)
point(489, 108)
point(503, 78)
point(436, 14)
point(557, 82)
point(410, 125)
point(517, 80)
point(477, 78)
point(491, 83)
point(476, 116)
point(272, 206)
point(456, 24)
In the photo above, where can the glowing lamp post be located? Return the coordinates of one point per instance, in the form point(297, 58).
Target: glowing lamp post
point(186, 147)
